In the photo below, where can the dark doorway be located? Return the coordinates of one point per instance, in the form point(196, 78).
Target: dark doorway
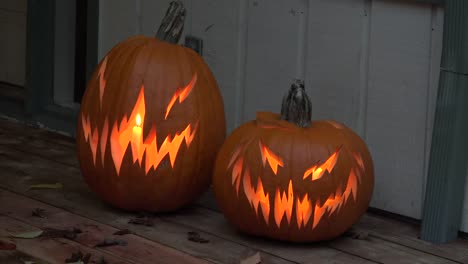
point(80, 49)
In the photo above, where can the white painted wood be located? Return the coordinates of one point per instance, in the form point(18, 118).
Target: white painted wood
point(151, 13)
point(215, 21)
point(271, 56)
point(13, 43)
point(117, 22)
point(434, 72)
point(397, 103)
point(336, 49)
point(64, 72)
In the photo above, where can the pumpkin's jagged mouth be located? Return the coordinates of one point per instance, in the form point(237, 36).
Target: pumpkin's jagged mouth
point(283, 204)
point(128, 132)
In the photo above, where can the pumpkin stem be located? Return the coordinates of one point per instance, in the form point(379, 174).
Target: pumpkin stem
point(296, 107)
point(172, 24)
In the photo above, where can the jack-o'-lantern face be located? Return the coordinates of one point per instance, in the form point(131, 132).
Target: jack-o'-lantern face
point(275, 179)
point(128, 132)
point(150, 125)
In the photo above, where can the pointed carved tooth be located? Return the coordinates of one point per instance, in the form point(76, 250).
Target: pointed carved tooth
point(318, 213)
point(284, 204)
point(105, 131)
point(303, 211)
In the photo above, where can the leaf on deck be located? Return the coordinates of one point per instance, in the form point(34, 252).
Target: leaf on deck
point(78, 258)
point(38, 212)
point(111, 242)
point(254, 259)
point(28, 235)
point(61, 233)
point(146, 221)
point(357, 234)
point(195, 237)
point(123, 232)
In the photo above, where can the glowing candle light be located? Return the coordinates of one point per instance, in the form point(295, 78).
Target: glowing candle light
point(136, 138)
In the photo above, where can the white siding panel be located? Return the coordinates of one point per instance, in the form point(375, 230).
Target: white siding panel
point(337, 46)
point(272, 48)
point(117, 22)
point(396, 106)
point(215, 21)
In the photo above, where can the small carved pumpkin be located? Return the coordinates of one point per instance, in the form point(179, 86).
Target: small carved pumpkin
point(285, 177)
point(150, 125)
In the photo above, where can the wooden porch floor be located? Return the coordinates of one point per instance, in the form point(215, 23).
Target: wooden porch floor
point(30, 156)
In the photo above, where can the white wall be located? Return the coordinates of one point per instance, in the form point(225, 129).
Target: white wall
point(13, 41)
point(371, 64)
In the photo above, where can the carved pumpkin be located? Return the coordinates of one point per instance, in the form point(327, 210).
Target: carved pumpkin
point(285, 177)
point(150, 125)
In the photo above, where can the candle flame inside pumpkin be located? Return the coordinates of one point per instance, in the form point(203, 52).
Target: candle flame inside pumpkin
point(138, 120)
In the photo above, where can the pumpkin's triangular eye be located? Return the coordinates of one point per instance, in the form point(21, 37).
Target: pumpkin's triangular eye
point(273, 160)
point(317, 170)
point(181, 94)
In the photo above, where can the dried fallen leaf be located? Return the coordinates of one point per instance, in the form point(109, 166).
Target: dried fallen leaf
point(38, 212)
point(78, 258)
point(61, 233)
point(357, 234)
point(111, 242)
point(102, 260)
point(195, 237)
point(123, 232)
point(254, 259)
point(46, 186)
point(147, 221)
point(28, 235)
point(7, 246)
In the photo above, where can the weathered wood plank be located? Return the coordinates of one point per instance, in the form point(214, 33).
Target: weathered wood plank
point(373, 248)
point(384, 229)
point(47, 250)
point(17, 257)
point(44, 170)
point(14, 132)
point(408, 235)
point(213, 223)
point(137, 249)
point(389, 230)
point(75, 197)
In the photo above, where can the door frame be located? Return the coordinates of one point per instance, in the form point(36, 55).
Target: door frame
point(38, 106)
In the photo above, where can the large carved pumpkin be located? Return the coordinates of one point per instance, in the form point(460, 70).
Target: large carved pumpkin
point(150, 125)
point(285, 177)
